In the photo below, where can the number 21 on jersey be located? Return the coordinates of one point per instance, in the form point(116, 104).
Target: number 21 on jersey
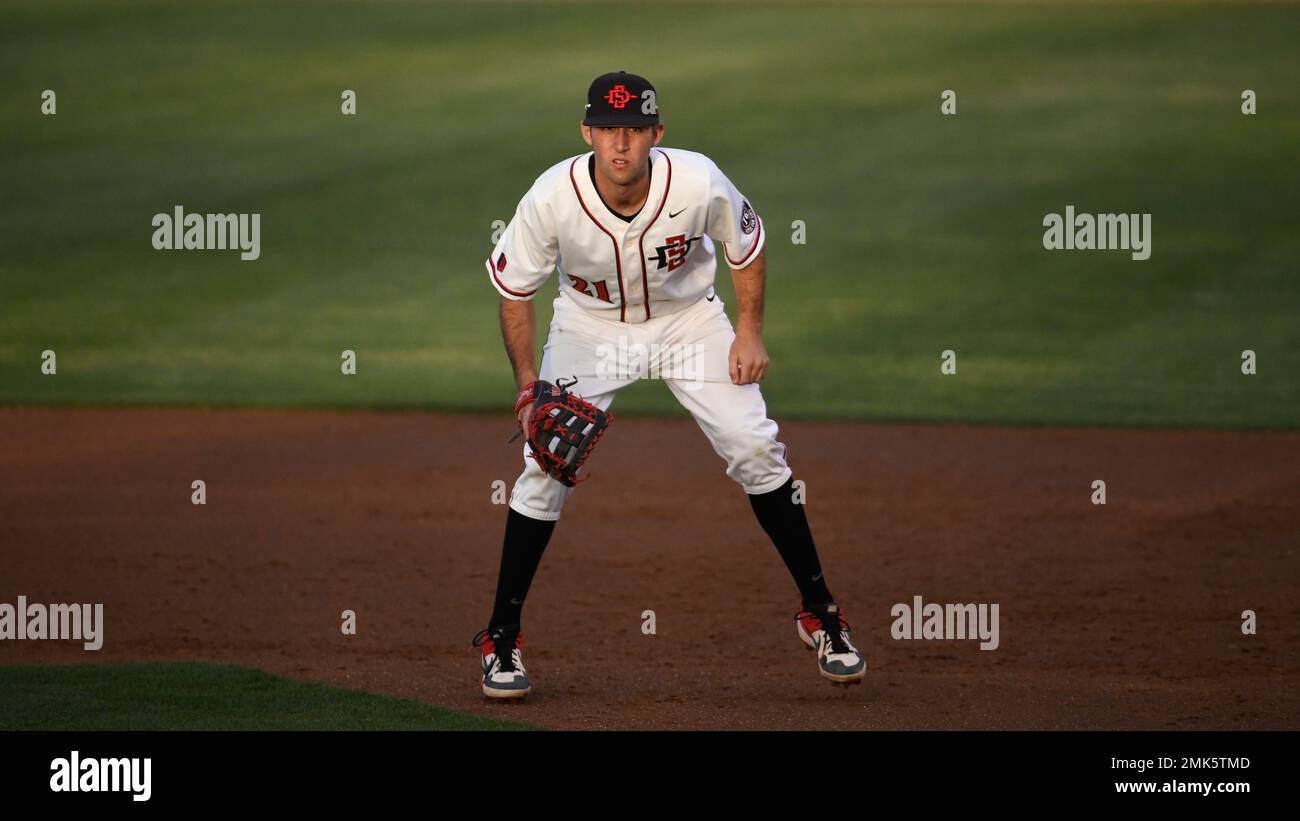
point(582, 285)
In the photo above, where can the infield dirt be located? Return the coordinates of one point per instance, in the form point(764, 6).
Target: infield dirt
point(1126, 615)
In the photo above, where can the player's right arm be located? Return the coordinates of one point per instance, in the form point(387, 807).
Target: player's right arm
point(519, 265)
point(518, 329)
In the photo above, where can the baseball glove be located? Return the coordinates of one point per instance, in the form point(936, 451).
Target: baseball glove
point(562, 429)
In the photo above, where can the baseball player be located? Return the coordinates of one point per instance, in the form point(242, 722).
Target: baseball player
point(634, 232)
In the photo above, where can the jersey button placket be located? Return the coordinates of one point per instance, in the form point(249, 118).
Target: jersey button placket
point(633, 298)
point(631, 285)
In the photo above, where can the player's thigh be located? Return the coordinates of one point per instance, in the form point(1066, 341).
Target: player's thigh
point(733, 417)
point(697, 345)
point(568, 360)
point(584, 349)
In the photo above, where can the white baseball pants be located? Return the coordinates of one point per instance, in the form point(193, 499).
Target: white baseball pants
point(688, 350)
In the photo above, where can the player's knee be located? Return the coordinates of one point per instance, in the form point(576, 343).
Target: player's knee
point(755, 459)
point(538, 496)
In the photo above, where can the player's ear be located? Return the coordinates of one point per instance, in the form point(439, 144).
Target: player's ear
point(659, 132)
point(586, 132)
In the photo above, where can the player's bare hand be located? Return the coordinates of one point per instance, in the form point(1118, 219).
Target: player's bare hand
point(748, 358)
point(525, 412)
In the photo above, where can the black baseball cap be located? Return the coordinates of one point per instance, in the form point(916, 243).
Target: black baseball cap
point(619, 98)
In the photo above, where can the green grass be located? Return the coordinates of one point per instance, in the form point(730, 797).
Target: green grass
point(201, 696)
point(924, 232)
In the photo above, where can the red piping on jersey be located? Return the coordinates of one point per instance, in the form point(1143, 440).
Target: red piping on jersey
point(752, 249)
point(493, 271)
point(645, 286)
point(622, 300)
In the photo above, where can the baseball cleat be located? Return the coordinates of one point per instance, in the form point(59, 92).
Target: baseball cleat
point(824, 629)
point(504, 676)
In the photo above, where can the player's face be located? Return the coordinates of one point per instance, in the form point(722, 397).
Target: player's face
point(623, 152)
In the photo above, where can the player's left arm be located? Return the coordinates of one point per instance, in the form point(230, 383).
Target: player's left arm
point(748, 360)
point(732, 221)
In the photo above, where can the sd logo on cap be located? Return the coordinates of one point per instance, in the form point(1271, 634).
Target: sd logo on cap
point(619, 98)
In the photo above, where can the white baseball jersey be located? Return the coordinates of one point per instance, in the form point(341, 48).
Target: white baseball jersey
point(660, 262)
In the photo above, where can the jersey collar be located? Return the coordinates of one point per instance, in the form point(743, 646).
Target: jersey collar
point(590, 200)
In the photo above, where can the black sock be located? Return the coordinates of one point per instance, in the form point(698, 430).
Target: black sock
point(787, 527)
point(521, 552)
